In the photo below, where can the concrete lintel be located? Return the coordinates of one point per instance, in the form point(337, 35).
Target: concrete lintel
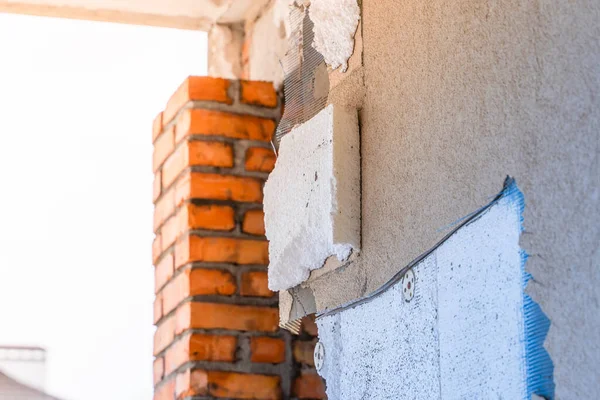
point(181, 14)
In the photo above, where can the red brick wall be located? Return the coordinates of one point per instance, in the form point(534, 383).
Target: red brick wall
point(217, 322)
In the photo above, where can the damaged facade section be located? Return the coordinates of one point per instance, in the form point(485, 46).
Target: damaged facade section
point(469, 331)
point(312, 197)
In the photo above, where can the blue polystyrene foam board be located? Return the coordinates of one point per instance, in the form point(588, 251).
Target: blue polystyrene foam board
point(538, 364)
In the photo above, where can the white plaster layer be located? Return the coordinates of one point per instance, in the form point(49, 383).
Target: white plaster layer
point(461, 337)
point(335, 23)
point(312, 197)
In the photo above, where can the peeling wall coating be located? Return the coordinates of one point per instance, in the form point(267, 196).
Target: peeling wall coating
point(458, 95)
point(312, 197)
point(335, 25)
point(462, 336)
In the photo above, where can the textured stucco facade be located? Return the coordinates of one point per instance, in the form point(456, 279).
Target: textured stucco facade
point(457, 96)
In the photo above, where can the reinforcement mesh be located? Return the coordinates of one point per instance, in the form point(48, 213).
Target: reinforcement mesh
point(306, 80)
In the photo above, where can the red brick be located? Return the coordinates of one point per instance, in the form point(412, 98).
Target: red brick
point(309, 326)
point(244, 386)
point(169, 232)
point(158, 370)
point(189, 140)
point(304, 352)
point(228, 385)
point(174, 165)
point(254, 222)
point(158, 308)
point(258, 93)
point(194, 315)
point(210, 281)
point(191, 383)
point(260, 159)
point(309, 386)
point(197, 88)
point(219, 123)
point(198, 185)
point(174, 293)
point(267, 350)
point(163, 147)
point(216, 249)
point(156, 187)
point(165, 206)
point(212, 217)
point(166, 391)
point(156, 248)
point(163, 271)
point(214, 154)
point(197, 282)
point(157, 126)
point(165, 332)
point(200, 347)
point(255, 283)
point(196, 153)
point(191, 217)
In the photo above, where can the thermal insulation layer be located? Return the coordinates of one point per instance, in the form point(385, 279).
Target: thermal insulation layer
point(312, 197)
point(335, 23)
point(466, 334)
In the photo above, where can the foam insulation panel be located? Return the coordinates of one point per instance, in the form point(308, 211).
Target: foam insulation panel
point(470, 331)
point(335, 23)
point(312, 197)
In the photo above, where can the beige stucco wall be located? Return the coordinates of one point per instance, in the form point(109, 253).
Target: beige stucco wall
point(460, 94)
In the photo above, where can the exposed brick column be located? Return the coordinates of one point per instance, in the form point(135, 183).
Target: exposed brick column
point(217, 322)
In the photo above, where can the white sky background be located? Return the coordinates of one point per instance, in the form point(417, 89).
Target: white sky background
point(77, 100)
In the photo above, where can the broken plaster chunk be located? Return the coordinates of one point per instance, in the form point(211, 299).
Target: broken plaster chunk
point(335, 23)
point(312, 197)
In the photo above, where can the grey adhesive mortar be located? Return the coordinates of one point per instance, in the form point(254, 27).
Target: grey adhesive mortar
point(459, 95)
